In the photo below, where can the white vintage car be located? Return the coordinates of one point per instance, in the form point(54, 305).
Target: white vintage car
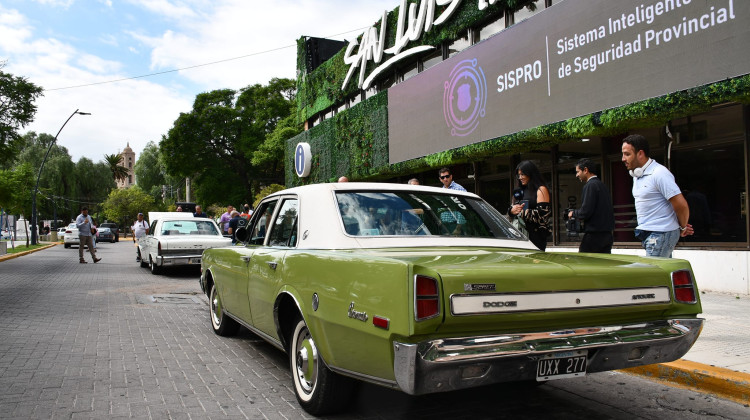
point(71, 235)
point(178, 239)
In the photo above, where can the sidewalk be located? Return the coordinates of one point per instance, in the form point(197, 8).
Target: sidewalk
point(719, 362)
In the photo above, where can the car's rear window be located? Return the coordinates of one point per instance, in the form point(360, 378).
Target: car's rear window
point(407, 213)
point(188, 227)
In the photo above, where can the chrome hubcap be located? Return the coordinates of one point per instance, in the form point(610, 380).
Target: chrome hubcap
point(306, 357)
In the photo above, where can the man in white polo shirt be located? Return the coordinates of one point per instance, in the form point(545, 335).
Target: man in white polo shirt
point(661, 209)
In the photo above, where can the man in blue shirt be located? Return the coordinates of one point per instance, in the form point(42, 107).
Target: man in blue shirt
point(446, 177)
point(661, 209)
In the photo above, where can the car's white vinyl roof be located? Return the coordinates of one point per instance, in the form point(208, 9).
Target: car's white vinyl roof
point(320, 225)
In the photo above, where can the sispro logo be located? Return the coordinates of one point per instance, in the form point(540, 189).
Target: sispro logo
point(465, 98)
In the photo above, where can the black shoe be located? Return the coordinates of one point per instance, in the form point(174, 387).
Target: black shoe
point(83, 262)
point(137, 260)
point(96, 260)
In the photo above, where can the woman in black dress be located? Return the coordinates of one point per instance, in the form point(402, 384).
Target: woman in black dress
point(534, 207)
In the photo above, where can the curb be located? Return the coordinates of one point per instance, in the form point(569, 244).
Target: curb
point(721, 382)
point(19, 254)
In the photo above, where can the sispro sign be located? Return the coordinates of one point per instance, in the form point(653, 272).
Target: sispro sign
point(573, 59)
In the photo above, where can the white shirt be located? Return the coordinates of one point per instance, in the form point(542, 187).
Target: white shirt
point(140, 228)
point(652, 192)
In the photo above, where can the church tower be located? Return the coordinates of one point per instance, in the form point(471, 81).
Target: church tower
point(128, 162)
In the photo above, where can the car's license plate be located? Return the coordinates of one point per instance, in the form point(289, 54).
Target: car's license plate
point(561, 365)
point(194, 260)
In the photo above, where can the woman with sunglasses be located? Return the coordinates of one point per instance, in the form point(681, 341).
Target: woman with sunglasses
point(533, 207)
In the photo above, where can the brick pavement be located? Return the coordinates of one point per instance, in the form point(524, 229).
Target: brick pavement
point(110, 340)
point(91, 341)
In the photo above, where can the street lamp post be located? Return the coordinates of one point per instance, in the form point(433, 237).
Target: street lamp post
point(36, 188)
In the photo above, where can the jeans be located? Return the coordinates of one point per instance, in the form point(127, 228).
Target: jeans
point(658, 244)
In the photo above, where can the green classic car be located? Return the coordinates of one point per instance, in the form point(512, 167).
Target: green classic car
point(429, 290)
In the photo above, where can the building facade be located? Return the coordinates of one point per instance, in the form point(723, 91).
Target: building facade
point(482, 85)
point(127, 162)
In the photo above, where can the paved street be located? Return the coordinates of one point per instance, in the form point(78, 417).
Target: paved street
point(111, 340)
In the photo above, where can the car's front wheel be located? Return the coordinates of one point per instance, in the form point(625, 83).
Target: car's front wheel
point(221, 323)
point(319, 391)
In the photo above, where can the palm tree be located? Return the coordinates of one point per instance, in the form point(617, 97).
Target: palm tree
point(118, 172)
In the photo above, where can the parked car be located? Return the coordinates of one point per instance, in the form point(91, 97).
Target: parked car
point(61, 233)
point(71, 236)
point(428, 290)
point(178, 239)
point(104, 234)
point(115, 230)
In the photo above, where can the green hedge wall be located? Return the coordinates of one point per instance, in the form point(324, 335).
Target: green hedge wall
point(355, 142)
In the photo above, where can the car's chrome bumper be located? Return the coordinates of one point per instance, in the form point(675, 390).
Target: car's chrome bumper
point(178, 259)
point(456, 363)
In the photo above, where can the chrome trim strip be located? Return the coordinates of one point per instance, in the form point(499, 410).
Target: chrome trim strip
point(562, 293)
point(439, 365)
point(256, 331)
point(366, 378)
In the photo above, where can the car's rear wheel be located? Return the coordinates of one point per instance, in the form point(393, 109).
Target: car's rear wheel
point(318, 390)
point(154, 268)
point(221, 323)
point(67, 245)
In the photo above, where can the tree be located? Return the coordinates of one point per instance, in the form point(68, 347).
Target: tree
point(123, 205)
point(113, 161)
point(270, 153)
point(151, 173)
point(17, 109)
point(214, 143)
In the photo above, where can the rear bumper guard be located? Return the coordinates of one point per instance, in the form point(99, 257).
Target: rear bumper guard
point(457, 363)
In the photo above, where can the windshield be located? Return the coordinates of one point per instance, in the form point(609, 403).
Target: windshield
point(188, 227)
point(402, 213)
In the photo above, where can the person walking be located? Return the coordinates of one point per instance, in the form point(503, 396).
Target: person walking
point(596, 210)
point(85, 232)
point(224, 220)
point(534, 205)
point(139, 228)
point(446, 177)
point(660, 207)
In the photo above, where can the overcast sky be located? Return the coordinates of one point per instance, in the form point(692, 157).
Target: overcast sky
point(61, 45)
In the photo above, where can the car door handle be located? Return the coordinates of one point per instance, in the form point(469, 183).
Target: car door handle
point(271, 264)
point(246, 258)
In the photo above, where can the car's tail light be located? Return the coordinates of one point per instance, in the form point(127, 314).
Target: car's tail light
point(427, 298)
point(684, 287)
point(158, 249)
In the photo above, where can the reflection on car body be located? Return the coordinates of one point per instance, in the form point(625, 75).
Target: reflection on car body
point(429, 290)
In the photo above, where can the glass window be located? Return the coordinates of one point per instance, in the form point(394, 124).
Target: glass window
point(284, 231)
point(569, 193)
point(419, 214)
point(432, 59)
point(188, 227)
point(261, 222)
point(410, 71)
point(526, 12)
point(492, 28)
point(716, 206)
point(459, 45)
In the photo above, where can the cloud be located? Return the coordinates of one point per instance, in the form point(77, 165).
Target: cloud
point(173, 34)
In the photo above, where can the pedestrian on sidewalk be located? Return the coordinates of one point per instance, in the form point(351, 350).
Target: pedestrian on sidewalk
point(139, 228)
point(596, 210)
point(85, 232)
point(660, 207)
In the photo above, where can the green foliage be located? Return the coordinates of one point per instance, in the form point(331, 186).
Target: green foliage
point(15, 189)
point(113, 160)
point(340, 143)
point(123, 205)
point(265, 192)
point(214, 144)
point(17, 109)
point(322, 88)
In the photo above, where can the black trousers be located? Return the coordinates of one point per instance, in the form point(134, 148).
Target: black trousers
point(598, 242)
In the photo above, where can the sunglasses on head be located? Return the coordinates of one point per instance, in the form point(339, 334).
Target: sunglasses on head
point(445, 176)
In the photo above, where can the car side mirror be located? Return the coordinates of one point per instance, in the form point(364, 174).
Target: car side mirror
point(241, 234)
